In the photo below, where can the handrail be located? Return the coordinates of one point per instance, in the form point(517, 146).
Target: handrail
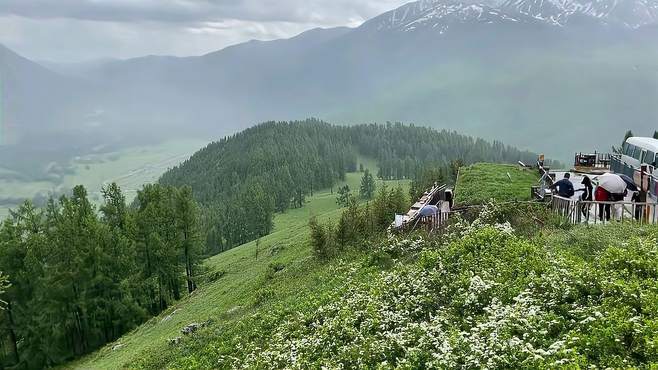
point(580, 211)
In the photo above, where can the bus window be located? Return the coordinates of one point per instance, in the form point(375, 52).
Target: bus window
point(650, 158)
point(629, 149)
point(637, 154)
point(624, 148)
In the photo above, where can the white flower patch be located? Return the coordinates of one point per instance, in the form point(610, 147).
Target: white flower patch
point(402, 246)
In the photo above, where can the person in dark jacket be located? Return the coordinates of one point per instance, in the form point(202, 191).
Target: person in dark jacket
point(564, 187)
point(587, 195)
point(638, 197)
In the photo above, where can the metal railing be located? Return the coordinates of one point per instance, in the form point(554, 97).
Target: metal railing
point(598, 212)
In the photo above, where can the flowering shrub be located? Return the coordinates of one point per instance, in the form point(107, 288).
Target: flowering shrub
point(487, 299)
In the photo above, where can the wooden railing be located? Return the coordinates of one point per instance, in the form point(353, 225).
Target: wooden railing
point(434, 222)
point(429, 223)
point(597, 212)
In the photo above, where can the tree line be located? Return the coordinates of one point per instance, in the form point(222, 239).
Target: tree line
point(81, 277)
point(402, 151)
point(243, 180)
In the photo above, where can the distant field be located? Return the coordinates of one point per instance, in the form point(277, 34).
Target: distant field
point(130, 168)
point(232, 295)
point(484, 181)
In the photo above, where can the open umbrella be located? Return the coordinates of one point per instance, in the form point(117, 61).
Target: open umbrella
point(429, 210)
point(629, 182)
point(613, 183)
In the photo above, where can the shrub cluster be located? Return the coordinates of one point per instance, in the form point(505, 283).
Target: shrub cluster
point(482, 296)
point(489, 299)
point(357, 223)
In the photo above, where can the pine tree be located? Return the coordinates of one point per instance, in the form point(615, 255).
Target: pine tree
point(367, 185)
point(189, 233)
point(344, 196)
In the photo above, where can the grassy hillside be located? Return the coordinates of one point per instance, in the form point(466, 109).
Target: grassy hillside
point(484, 294)
point(481, 296)
point(232, 286)
point(482, 182)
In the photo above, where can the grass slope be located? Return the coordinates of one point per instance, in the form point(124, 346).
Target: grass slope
point(233, 282)
point(482, 182)
point(479, 296)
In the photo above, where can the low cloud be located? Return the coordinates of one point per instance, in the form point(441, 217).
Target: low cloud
point(78, 30)
point(185, 11)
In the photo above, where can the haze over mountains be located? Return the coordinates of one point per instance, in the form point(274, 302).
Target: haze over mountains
point(552, 75)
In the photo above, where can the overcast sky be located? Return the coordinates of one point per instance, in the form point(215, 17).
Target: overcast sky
point(79, 30)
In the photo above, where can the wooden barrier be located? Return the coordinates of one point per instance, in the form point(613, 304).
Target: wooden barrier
point(434, 222)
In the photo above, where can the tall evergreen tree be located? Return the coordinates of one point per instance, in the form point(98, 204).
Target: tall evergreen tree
point(368, 186)
point(344, 196)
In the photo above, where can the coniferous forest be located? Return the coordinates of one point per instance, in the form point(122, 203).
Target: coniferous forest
point(242, 180)
point(81, 276)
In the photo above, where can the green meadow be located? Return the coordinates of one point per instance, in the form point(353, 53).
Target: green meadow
point(482, 182)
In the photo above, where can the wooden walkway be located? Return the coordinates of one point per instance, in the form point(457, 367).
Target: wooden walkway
point(413, 220)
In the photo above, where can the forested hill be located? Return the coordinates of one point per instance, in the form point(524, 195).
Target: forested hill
point(243, 179)
point(285, 157)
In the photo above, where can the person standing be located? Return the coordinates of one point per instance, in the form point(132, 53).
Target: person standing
point(564, 187)
point(639, 197)
point(587, 195)
point(602, 195)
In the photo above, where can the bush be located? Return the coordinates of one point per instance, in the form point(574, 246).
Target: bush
point(322, 239)
point(357, 223)
point(489, 299)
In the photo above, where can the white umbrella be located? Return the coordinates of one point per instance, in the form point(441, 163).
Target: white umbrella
point(612, 183)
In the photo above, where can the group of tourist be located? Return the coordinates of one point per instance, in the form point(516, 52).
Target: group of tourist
point(565, 189)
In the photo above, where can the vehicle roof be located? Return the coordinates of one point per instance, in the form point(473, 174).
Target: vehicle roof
point(644, 142)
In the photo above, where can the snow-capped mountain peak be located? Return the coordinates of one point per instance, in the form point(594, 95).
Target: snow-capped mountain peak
point(628, 13)
point(441, 14)
point(437, 14)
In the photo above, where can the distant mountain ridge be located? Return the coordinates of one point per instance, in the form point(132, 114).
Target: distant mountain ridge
point(540, 75)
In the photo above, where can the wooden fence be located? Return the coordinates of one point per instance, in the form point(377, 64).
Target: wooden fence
point(429, 223)
point(433, 223)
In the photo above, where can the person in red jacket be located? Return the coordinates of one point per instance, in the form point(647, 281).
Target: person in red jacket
point(602, 195)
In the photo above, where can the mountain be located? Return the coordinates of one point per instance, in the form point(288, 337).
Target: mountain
point(441, 14)
point(555, 76)
point(39, 112)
